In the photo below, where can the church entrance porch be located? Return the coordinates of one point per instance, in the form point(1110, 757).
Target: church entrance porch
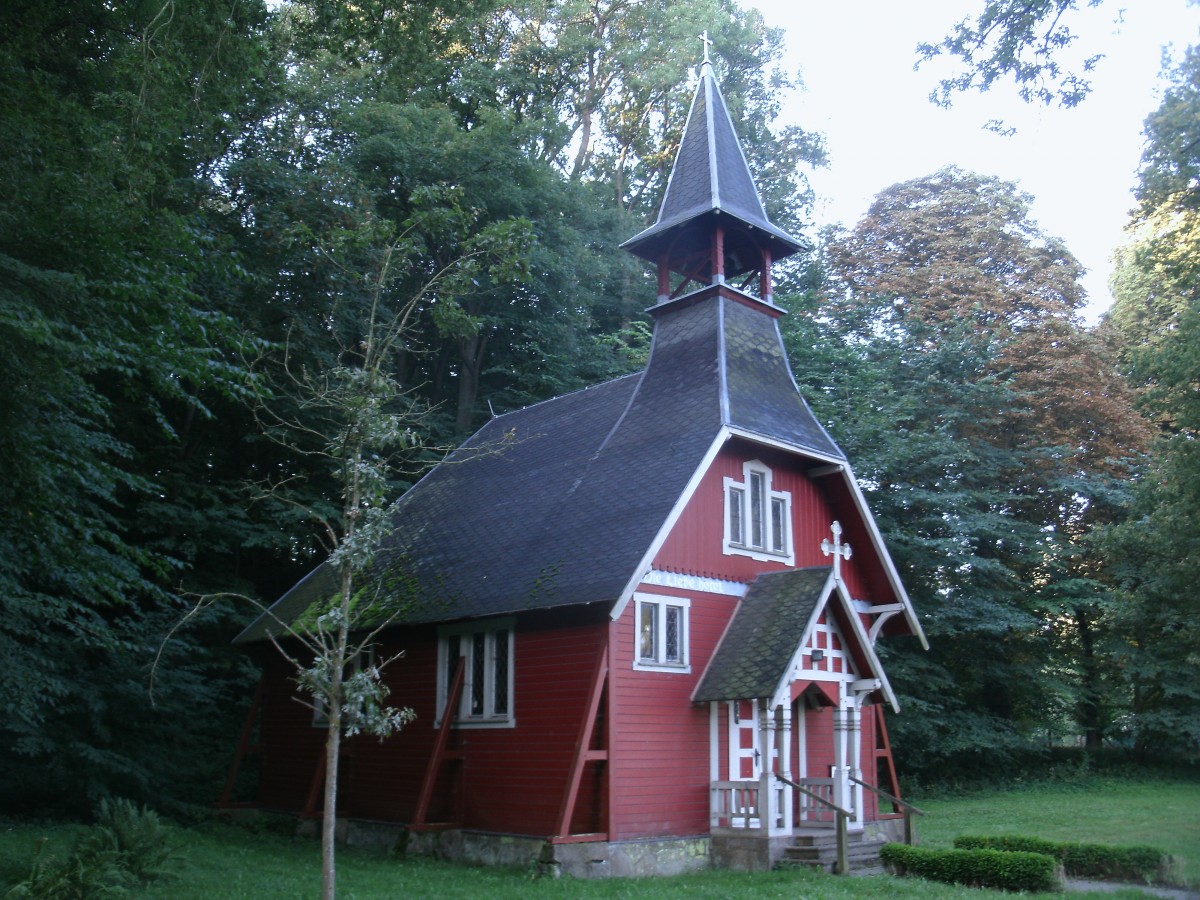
point(790, 783)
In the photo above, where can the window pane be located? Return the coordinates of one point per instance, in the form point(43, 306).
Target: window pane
point(673, 637)
point(500, 673)
point(778, 525)
point(478, 668)
point(737, 497)
point(757, 511)
point(648, 632)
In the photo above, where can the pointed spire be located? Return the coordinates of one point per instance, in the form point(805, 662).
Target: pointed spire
point(711, 188)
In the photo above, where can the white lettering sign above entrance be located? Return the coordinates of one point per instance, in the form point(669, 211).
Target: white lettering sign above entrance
point(695, 583)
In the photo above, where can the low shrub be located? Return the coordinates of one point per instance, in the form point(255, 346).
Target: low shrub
point(126, 847)
point(1004, 870)
point(1084, 860)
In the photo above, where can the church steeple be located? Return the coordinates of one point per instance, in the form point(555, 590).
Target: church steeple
point(712, 227)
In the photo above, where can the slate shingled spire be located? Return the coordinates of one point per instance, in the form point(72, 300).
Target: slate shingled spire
point(712, 224)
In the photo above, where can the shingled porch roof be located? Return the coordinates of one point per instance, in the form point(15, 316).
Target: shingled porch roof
point(758, 645)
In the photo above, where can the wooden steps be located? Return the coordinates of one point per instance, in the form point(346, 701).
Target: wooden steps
point(818, 849)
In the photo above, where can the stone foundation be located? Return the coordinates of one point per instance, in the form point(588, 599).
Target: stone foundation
point(588, 859)
point(626, 859)
point(748, 852)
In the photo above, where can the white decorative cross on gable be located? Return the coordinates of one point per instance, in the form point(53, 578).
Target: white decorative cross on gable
point(707, 43)
point(837, 549)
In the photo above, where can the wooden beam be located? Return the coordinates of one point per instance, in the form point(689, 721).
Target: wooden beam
point(883, 749)
point(440, 753)
point(582, 754)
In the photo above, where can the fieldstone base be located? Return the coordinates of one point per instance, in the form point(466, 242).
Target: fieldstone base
point(626, 859)
point(748, 852)
point(588, 859)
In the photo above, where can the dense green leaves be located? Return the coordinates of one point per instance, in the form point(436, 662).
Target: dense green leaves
point(989, 431)
point(1156, 322)
point(189, 196)
point(1025, 40)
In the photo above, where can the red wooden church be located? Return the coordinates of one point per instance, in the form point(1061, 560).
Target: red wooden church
point(643, 643)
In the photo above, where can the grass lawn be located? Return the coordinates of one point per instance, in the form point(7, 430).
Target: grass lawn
point(1162, 814)
point(222, 861)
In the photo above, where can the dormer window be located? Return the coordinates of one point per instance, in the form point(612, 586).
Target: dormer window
point(757, 517)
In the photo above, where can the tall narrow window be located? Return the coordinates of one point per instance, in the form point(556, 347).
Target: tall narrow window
point(757, 525)
point(779, 522)
point(757, 517)
point(662, 632)
point(736, 503)
point(486, 652)
point(648, 631)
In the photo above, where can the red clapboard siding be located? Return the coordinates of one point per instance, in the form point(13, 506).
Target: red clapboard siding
point(290, 746)
point(515, 778)
point(512, 779)
point(381, 779)
point(660, 748)
point(694, 545)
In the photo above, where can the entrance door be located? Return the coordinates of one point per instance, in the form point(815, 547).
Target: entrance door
point(745, 750)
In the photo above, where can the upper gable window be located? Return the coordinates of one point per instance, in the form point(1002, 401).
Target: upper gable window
point(757, 517)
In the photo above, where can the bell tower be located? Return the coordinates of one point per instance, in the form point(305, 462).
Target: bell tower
point(712, 228)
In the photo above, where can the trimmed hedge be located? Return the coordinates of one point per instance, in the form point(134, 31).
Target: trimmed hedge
point(1005, 870)
point(1084, 860)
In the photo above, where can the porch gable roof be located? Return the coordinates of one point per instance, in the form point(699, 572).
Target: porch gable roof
point(761, 639)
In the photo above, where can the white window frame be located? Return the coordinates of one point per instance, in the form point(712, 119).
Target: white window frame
point(460, 640)
point(658, 605)
point(739, 505)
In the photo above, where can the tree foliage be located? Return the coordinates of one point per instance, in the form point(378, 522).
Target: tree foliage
point(187, 188)
point(991, 432)
point(1025, 40)
point(1156, 323)
point(117, 351)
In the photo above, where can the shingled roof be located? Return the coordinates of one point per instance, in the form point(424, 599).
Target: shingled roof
point(768, 626)
point(559, 503)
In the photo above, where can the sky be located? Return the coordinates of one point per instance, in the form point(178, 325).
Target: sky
point(856, 60)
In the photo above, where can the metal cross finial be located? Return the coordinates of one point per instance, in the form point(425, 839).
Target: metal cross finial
point(837, 549)
point(707, 43)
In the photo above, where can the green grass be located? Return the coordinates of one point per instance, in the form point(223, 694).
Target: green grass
point(1163, 814)
point(223, 862)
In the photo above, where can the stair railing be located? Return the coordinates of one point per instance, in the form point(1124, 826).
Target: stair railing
point(841, 817)
point(906, 808)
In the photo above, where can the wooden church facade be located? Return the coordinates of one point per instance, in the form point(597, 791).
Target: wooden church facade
point(642, 635)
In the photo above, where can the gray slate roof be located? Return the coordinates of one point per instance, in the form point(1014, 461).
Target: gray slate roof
point(766, 629)
point(710, 177)
point(557, 504)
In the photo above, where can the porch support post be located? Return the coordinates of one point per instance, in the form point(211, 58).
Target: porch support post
point(714, 741)
point(854, 738)
point(768, 798)
point(785, 764)
point(839, 757)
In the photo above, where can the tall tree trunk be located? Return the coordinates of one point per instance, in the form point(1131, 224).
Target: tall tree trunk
point(333, 742)
point(1091, 702)
point(470, 367)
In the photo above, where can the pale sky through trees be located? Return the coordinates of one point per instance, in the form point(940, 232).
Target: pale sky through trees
point(856, 59)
